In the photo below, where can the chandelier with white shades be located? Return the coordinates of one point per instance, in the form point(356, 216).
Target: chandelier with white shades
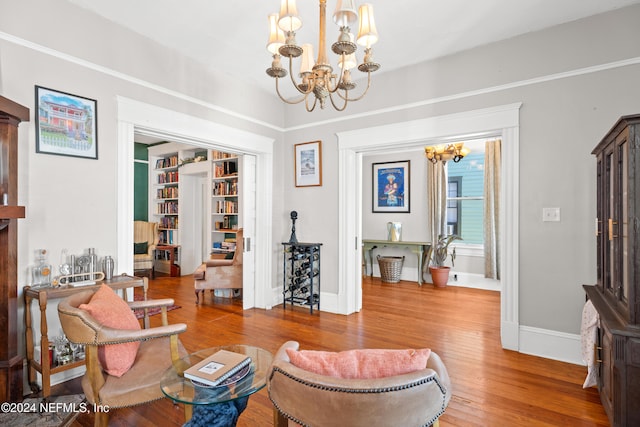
point(318, 78)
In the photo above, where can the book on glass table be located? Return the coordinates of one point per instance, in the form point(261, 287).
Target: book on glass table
point(217, 368)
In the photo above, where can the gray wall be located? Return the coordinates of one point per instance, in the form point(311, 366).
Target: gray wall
point(574, 81)
point(562, 118)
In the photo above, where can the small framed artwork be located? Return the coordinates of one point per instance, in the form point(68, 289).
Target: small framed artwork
point(66, 124)
point(308, 164)
point(391, 187)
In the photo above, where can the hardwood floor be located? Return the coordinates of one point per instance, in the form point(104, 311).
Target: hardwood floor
point(491, 386)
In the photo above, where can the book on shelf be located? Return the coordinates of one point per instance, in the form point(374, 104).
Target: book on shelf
point(229, 247)
point(217, 368)
point(167, 162)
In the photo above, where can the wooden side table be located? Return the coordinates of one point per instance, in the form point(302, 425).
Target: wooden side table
point(43, 295)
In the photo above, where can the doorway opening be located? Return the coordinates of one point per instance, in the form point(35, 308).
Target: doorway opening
point(465, 214)
point(135, 117)
point(502, 122)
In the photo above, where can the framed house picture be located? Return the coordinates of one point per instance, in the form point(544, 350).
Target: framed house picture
point(66, 124)
point(391, 187)
point(308, 164)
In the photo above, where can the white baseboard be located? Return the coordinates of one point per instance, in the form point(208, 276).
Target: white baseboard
point(549, 344)
point(467, 280)
point(328, 301)
point(472, 280)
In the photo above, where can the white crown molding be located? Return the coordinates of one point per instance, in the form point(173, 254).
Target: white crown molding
point(482, 91)
point(457, 96)
point(125, 77)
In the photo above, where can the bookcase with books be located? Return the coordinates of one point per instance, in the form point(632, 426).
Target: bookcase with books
point(225, 202)
point(165, 185)
point(208, 182)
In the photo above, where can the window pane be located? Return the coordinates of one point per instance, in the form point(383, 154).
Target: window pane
point(471, 220)
point(471, 169)
point(466, 180)
point(453, 211)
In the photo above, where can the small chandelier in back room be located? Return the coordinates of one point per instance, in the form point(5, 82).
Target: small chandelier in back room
point(318, 79)
point(443, 153)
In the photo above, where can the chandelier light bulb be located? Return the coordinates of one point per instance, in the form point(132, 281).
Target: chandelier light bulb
point(345, 14)
point(276, 36)
point(367, 33)
point(306, 66)
point(349, 62)
point(289, 19)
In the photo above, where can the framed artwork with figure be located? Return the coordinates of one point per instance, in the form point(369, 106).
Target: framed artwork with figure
point(391, 187)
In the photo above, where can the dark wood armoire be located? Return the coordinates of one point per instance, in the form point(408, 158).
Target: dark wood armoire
point(616, 295)
point(11, 363)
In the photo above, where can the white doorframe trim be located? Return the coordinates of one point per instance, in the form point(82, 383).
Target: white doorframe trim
point(135, 116)
point(502, 121)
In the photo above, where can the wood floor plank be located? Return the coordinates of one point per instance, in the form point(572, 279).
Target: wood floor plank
point(491, 386)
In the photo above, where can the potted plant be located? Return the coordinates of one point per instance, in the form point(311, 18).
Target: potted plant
point(437, 255)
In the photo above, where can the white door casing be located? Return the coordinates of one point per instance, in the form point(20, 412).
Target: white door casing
point(248, 194)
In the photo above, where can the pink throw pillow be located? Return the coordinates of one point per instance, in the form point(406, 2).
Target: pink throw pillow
point(110, 310)
point(360, 364)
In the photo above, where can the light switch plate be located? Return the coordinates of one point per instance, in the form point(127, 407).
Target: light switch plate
point(551, 214)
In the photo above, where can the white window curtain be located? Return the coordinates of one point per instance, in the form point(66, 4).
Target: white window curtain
point(436, 199)
point(492, 155)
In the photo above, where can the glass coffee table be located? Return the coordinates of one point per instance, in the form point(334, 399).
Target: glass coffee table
point(226, 401)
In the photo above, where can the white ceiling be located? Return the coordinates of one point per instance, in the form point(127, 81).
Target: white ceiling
point(231, 36)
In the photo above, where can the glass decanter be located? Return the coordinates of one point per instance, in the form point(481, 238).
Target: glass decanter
point(42, 270)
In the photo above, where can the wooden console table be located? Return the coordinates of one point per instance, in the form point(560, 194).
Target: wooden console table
point(418, 248)
point(43, 295)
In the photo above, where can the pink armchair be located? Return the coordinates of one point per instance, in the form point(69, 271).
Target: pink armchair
point(220, 273)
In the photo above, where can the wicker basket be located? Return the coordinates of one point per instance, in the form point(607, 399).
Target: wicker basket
point(390, 268)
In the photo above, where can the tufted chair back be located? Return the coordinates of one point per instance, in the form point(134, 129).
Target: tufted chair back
point(309, 399)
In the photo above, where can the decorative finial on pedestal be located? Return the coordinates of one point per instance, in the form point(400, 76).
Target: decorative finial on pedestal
point(293, 238)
